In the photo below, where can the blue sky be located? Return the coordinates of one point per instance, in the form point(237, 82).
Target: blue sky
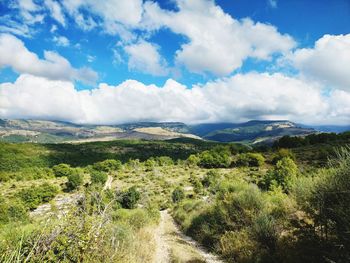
point(196, 44)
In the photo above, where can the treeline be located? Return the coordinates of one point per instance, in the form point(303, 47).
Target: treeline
point(312, 139)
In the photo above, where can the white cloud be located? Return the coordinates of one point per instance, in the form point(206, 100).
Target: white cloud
point(117, 16)
point(328, 61)
point(56, 11)
point(217, 42)
point(238, 98)
point(14, 54)
point(61, 41)
point(144, 57)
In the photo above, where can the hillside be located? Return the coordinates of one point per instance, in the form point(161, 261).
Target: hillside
point(251, 132)
point(55, 131)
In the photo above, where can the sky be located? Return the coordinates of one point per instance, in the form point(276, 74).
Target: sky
point(193, 61)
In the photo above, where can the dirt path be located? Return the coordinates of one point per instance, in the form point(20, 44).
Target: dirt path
point(173, 246)
point(108, 184)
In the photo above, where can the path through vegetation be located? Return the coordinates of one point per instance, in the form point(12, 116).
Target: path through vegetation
point(173, 246)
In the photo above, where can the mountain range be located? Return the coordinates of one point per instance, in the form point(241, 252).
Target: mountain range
point(251, 132)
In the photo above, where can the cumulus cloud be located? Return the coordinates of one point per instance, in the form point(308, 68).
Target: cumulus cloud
point(144, 57)
point(14, 54)
point(238, 98)
point(217, 43)
point(327, 61)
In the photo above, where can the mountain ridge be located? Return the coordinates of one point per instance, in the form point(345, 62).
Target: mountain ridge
point(251, 132)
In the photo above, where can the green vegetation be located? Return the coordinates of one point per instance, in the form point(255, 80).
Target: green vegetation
point(246, 205)
point(98, 177)
point(178, 195)
point(34, 196)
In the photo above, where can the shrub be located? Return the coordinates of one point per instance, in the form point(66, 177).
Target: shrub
point(211, 178)
point(178, 195)
point(283, 153)
point(12, 211)
point(282, 175)
point(215, 158)
point(330, 201)
point(61, 170)
point(108, 165)
point(34, 196)
point(164, 161)
point(130, 198)
point(250, 159)
point(197, 184)
point(193, 160)
point(75, 179)
point(98, 177)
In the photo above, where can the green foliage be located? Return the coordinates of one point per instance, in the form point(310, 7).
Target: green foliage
point(108, 166)
point(62, 169)
point(164, 161)
point(197, 184)
point(193, 160)
point(312, 139)
point(75, 179)
point(129, 198)
point(98, 177)
point(178, 195)
point(282, 175)
point(250, 159)
point(211, 179)
point(12, 211)
point(34, 196)
point(331, 199)
point(283, 153)
point(219, 157)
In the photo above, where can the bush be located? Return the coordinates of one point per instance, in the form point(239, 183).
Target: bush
point(130, 198)
point(98, 177)
point(193, 160)
point(216, 158)
point(75, 179)
point(108, 165)
point(283, 153)
point(61, 170)
point(212, 178)
point(178, 195)
point(282, 175)
point(330, 200)
point(34, 196)
point(250, 159)
point(12, 211)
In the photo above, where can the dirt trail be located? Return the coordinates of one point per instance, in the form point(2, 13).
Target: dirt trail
point(108, 184)
point(173, 246)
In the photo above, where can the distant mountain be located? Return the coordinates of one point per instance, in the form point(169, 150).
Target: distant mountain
point(328, 128)
point(250, 132)
point(57, 131)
